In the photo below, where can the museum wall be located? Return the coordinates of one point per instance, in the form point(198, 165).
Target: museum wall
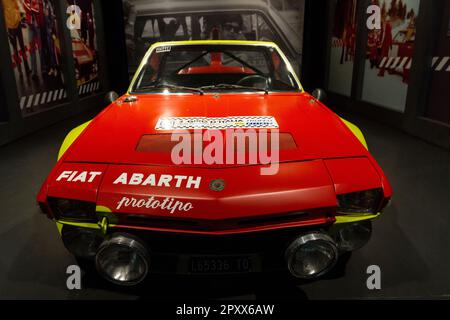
point(52, 62)
point(438, 107)
point(397, 73)
point(57, 61)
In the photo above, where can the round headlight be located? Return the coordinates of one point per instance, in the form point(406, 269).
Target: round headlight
point(354, 236)
point(311, 255)
point(81, 242)
point(122, 259)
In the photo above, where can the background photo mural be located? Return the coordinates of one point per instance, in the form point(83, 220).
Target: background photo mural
point(34, 41)
point(150, 21)
point(389, 54)
point(343, 44)
point(84, 45)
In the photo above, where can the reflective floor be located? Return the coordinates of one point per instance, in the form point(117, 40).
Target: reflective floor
point(410, 243)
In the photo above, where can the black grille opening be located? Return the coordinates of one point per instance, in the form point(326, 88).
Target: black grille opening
point(214, 225)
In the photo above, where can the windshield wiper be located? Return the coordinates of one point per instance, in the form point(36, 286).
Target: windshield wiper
point(233, 86)
point(172, 87)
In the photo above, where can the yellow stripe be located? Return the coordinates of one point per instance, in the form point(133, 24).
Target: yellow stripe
point(71, 137)
point(355, 218)
point(357, 132)
point(104, 225)
point(103, 209)
point(82, 224)
point(59, 226)
point(205, 42)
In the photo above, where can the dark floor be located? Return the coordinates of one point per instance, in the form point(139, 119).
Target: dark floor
point(411, 242)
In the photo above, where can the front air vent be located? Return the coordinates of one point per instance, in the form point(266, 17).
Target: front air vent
point(164, 143)
point(216, 225)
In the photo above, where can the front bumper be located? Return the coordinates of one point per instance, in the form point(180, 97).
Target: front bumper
point(173, 252)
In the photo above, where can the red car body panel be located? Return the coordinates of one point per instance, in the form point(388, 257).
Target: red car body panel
point(328, 160)
point(353, 175)
point(285, 192)
point(113, 136)
point(76, 190)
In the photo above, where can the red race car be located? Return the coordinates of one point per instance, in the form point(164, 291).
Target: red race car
point(215, 161)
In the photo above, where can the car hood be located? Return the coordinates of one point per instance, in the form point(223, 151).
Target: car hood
point(114, 136)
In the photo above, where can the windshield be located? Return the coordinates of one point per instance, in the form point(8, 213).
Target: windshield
point(203, 68)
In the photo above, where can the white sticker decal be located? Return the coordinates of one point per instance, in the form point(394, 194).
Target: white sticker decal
point(169, 204)
point(186, 123)
point(163, 49)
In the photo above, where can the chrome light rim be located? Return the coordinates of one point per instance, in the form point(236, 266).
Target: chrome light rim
point(314, 237)
point(112, 245)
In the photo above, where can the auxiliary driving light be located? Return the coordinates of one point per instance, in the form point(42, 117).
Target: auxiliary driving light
point(122, 259)
point(81, 242)
point(311, 255)
point(354, 236)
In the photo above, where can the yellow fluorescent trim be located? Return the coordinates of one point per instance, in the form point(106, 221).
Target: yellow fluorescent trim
point(82, 224)
point(59, 226)
point(355, 218)
point(71, 137)
point(103, 209)
point(357, 132)
point(200, 42)
point(104, 225)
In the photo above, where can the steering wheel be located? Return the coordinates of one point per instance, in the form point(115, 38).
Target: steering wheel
point(254, 80)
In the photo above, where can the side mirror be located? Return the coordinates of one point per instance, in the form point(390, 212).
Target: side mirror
point(319, 94)
point(110, 97)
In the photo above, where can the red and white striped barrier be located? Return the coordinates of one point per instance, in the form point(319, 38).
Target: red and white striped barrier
point(36, 99)
point(396, 63)
point(42, 98)
point(440, 63)
point(88, 88)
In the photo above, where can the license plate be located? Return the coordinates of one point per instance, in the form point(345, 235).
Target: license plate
point(214, 265)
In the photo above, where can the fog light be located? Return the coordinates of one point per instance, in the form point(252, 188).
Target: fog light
point(354, 236)
point(311, 255)
point(81, 242)
point(122, 259)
